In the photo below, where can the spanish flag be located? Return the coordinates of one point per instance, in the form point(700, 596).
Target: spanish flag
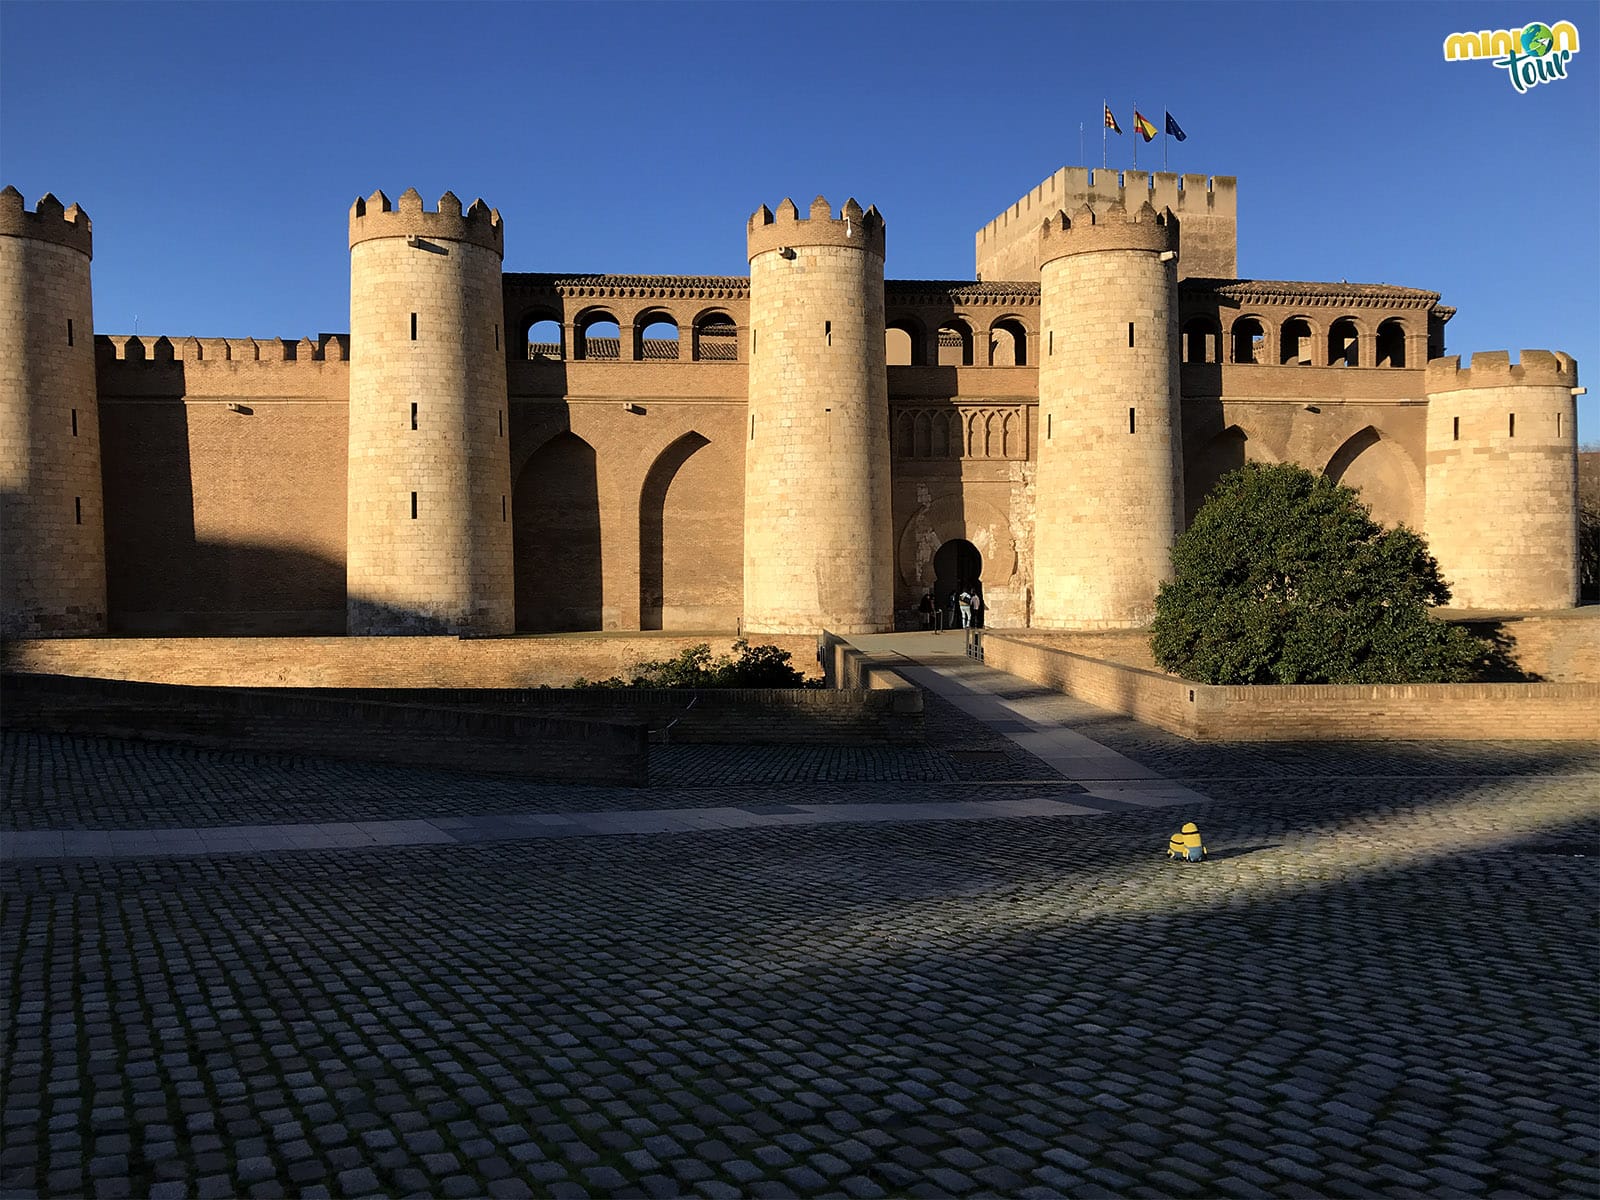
point(1142, 126)
point(1111, 122)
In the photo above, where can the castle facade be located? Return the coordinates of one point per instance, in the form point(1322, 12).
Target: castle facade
point(809, 446)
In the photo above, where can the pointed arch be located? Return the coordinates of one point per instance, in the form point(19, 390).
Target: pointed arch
point(555, 533)
point(1380, 469)
point(691, 537)
point(905, 445)
point(1223, 452)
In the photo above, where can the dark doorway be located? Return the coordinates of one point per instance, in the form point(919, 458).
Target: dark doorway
point(956, 565)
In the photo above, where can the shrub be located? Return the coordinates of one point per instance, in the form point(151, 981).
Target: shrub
point(1284, 577)
point(694, 667)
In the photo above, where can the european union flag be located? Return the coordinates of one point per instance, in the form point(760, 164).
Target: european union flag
point(1174, 130)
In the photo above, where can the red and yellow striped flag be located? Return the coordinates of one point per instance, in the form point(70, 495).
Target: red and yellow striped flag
point(1142, 126)
point(1111, 121)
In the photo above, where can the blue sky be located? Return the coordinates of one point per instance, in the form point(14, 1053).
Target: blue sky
point(218, 147)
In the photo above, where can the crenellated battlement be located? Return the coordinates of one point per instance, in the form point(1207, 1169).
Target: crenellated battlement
point(49, 222)
point(127, 348)
point(1209, 195)
point(852, 227)
point(1113, 227)
point(1493, 369)
point(377, 216)
point(1208, 205)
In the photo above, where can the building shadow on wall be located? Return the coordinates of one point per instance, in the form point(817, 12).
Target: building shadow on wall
point(556, 538)
point(163, 577)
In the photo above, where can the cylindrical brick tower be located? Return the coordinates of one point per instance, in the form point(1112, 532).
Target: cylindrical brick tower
point(817, 550)
point(1109, 489)
point(1502, 486)
point(52, 532)
point(430, 474)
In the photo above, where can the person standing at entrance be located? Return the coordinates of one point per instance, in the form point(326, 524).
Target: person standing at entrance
point(927, 610)
point(965, 601)
point(977, 609)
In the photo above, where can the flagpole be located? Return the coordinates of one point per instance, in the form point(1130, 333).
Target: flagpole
point(1135, 138)
point(1080, 141)
point(1105, 108)
point(1163, 137)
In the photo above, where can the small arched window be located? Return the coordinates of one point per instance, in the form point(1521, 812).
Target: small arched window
point(543, 339)
point(657, 337)
point(902, 343)
point(1008, 343)
point(1295, 343)
point(596, 335)
point(955, 344)
point(1343, 344)
point(716, 338)
point(1391, 344)
point(1248, 340)
point(1202, 340)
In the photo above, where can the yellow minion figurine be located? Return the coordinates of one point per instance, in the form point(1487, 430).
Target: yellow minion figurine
point(1185, 846)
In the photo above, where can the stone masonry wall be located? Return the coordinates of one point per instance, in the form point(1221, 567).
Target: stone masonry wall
point(1109, 491)
point(52, 550)
point(429, 516)
point(817, 545)
point(1502, 512)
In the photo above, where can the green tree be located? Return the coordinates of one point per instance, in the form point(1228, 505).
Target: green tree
point(1589, 523)
point(1284, 577)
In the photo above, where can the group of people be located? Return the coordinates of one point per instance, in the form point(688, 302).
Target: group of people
point(966, 607)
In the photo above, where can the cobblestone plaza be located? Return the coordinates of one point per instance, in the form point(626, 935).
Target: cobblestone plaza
point(799, 971)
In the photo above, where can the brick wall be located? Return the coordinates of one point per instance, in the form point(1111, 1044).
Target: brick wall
point(870, 714)
point(1560, 647)
point(530, 745)
point(1310, 712)
point(444, 662)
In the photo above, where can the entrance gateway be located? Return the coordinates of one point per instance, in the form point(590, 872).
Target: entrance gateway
point(957, 566)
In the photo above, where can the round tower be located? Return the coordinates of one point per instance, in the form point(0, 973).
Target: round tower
point(817, 550)
point(52, 550)
point(429, 524)
point(1502, 485)
point(1109, 488)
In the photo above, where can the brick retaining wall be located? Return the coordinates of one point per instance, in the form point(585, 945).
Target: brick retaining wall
point(370, 662)
point(530, 745)
point(1309, 712)
point(861, 716)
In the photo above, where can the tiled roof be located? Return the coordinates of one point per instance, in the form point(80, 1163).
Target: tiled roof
point(1284, 290)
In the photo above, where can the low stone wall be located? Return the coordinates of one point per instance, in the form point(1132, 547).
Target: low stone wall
point(530, 745)
point(371, 662)
point(1309, 712)
point(865, 715)
point(845, 666)
point(1556, 647)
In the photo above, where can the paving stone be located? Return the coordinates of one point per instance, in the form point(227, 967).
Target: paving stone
point(923, 1013)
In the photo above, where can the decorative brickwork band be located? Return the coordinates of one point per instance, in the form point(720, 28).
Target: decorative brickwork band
point(1492, 368)
point(377, 217)
point(1088, 232)
point(49, 222)
point(852, 228)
